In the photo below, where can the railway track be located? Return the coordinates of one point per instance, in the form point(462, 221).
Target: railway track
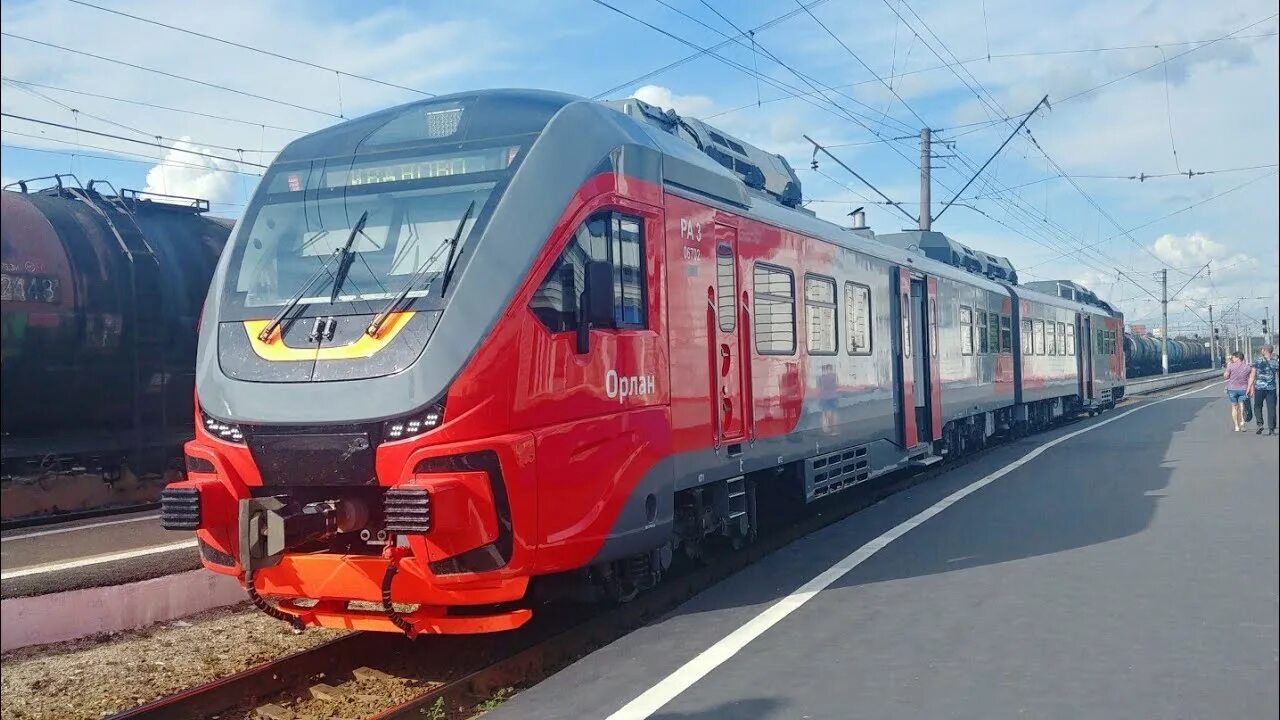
point(388, 677)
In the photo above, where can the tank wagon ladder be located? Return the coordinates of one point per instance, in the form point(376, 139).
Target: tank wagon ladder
point(149, 351)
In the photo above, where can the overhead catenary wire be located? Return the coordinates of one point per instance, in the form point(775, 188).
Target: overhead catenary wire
point(699, 53)
point(804, 77)
point(994, 105)
point(133, 140)
point(839, 110)
point(995, 121)
point(155, 106)
point(1063, 233)
point(864, 65)
point(1095, 88)
point(174, 76)
point(130, 128)
point(916, 114)
point(251, 48)
point(1179, 211)
point(146, 159)
point(757, 47)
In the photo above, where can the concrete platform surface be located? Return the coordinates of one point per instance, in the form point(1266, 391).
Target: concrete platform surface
point(1126, 571)
point(94, 552)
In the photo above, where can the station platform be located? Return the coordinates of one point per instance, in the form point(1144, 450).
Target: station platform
point(108, 550)
point(101, 575)
point(1121, 566)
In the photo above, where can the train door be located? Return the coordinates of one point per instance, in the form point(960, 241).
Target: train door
point(912, 353)
point(920, 365)
point(1084, 351)
point(934, 401)
point(725, 353)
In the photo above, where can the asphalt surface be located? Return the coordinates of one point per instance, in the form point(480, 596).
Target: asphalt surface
point(67, 556)
point(1129, 572)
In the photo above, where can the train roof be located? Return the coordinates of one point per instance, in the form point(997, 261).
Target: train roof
point(697, 159)
point(1029, 293)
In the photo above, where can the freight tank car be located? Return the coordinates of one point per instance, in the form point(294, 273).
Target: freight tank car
point(1142, 354)
point(102, 292)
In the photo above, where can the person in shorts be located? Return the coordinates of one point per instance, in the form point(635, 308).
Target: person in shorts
point(1237, 374)
point(1262, 387)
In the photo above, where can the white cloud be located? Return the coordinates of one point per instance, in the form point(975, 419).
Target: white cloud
point(191, 175)
point(693, 105)
point(1196, 249)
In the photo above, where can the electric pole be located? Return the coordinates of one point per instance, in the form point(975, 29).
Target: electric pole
point(1164, 321)
point(1213, 342)
point(926, 182)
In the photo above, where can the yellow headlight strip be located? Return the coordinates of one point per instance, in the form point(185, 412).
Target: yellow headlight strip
point(274, 349)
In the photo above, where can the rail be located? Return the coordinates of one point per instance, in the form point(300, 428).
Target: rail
point(1143, 386)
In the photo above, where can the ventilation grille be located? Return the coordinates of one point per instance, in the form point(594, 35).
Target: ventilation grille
point(407, 510)
point(835, 471)
point(443, 123)
point(180, 508)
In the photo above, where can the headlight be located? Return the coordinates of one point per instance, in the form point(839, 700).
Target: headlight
point(407, 427)
point(221, 430)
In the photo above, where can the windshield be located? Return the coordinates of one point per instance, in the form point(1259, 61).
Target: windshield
point(413, 207)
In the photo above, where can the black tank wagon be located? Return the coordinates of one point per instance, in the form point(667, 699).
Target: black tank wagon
point(102, 291)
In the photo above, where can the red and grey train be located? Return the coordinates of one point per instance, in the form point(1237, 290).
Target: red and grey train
point(467, 346)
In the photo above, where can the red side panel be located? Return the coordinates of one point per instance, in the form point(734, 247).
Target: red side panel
point(935, 375)
point(906, 370)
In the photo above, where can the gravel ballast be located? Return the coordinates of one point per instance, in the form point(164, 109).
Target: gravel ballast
point(98, 676)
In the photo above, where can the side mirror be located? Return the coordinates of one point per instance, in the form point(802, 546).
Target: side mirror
point(595, 305)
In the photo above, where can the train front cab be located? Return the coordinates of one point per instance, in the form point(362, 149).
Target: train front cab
point(456, 500)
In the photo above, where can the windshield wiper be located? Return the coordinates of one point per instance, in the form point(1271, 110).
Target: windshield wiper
point(452, 245)
point(265, 334)
point(344, 265)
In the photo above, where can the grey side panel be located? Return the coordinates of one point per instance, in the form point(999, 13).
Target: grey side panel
point(631, 535)
point(634, 532)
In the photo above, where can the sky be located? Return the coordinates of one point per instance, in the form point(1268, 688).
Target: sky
point(1134, 90)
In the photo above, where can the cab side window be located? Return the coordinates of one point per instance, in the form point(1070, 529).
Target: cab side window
point(605, 237)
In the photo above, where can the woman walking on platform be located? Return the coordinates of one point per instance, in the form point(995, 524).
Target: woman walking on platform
point(1237, 375)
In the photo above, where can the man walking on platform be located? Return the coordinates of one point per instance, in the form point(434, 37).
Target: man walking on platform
point(1262, 386)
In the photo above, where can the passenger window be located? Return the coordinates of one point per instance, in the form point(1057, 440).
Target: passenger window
point(983, 348)
point(905, 305)
point(628, 272)
point(966, 330)
point(726, 289)
point(1037, 337)
point(1051, 333)
point(993, 333)
point(1028, 337)
point(775, 308)
point(820, 312)
point(1006, 334)
point(606, 237)
point(1071, 339)
point(933, 328)
point(857, 318)
point(1062, 338)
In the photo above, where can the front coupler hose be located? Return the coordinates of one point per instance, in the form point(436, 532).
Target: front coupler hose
point(270, 609)
point(393, 566)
